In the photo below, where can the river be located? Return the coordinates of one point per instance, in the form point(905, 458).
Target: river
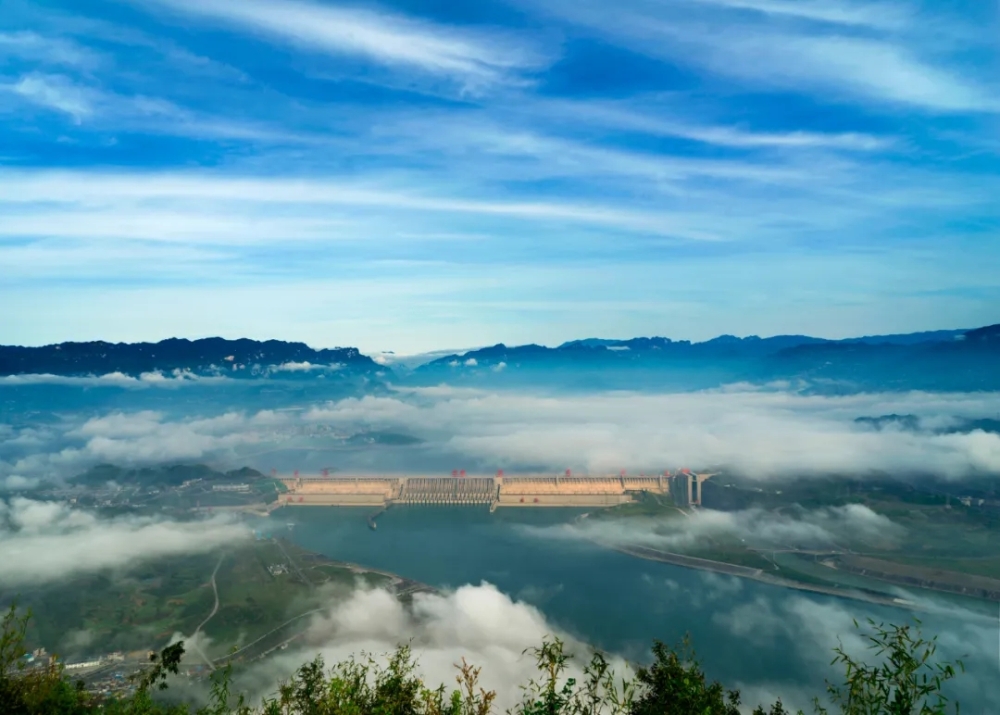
point(746, 633)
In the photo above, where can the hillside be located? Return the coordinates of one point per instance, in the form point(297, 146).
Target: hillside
point(261, 585)
point(942, 360)
point(206, 357)
point(935, 360)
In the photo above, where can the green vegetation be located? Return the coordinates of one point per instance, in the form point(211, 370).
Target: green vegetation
point(733, 553)
point(905, 679)
point(645, 504)
point(163, 476)
point(261, 585)
point(178, 487)
point(661, 508)
point(945, 543)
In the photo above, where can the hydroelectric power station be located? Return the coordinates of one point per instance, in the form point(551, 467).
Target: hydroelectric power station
point(568, 490)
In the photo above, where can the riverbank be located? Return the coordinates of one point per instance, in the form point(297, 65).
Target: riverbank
point(872, 579)
point(722, 567)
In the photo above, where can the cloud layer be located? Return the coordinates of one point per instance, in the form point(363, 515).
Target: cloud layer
point(849, 525)
point(492, 630)
point(762, 433)
point(759, 432)
point(476, 622)
point(51, 541)
point(386, 38)
point(424, 175)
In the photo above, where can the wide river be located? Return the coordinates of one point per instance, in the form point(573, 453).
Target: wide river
point(746, 633)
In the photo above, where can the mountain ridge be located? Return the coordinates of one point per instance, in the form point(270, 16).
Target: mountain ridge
point(750, 343)
point(241, 358)
point(936, 360)
point(951, 360)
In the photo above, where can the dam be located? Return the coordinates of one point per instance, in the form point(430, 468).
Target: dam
point(541, 490)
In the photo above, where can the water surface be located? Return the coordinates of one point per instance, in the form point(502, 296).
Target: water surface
point(744, 631)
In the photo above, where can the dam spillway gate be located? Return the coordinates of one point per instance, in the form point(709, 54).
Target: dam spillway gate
point(520, 491)
point(446, 490)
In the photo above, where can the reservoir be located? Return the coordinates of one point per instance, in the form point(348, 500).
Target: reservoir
point(747, 634)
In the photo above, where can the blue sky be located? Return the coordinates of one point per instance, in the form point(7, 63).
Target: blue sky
point(426, 175)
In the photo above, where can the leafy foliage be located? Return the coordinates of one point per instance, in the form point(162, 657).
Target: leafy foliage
point(905, 679)
point(598, 693)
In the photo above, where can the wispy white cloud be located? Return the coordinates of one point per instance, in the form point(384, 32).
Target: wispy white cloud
point(120, 190)
point(473, 58)
point(877, 15)
point(44, 50)
point(131, 222)
point(477, 623)
point(111, 379)
point(562, 156)
point(877, 68)
point(481, 302)
point(55, 92)
point(762, 433)
point(46, 542)
point(768, 434)
point(108, 111)
point(305, 367)
point(626, 116)
point(852, 525)
point(310, 179)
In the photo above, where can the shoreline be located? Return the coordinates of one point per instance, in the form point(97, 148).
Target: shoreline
point(759, 575)
point(762, 576)
point(402, 585)
point(736, 570)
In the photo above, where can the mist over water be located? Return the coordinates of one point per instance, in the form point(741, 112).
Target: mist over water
point(767, 640)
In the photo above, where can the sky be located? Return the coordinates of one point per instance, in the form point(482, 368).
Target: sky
point(423, 175)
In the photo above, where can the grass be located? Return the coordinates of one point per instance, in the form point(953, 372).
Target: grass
point(142, 607)
point(938, 532)
point(735, 555)
point(646, 504)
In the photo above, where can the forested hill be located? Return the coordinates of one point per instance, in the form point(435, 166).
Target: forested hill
point(943, 360)
point(209, 356)
point(958, 360)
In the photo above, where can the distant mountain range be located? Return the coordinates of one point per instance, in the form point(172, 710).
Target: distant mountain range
point(938, 360)
point(207, 357)
point(170, 475)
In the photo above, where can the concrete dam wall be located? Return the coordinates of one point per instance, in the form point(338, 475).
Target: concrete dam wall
point(520, 491)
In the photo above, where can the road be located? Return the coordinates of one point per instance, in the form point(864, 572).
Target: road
point(235, 653)
point(295, 566)
point(759, 575)
point(215, 609)
point(405, 587)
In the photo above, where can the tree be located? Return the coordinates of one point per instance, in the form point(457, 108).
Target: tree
point(598, 694)
point(363, 687)
point(675, 685)
point(906, 681)
point(35, 690)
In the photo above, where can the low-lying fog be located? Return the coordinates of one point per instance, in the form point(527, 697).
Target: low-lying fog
point(760, 432)
point(769, 433)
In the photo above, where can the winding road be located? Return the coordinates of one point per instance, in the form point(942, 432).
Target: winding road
point(215, 609)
